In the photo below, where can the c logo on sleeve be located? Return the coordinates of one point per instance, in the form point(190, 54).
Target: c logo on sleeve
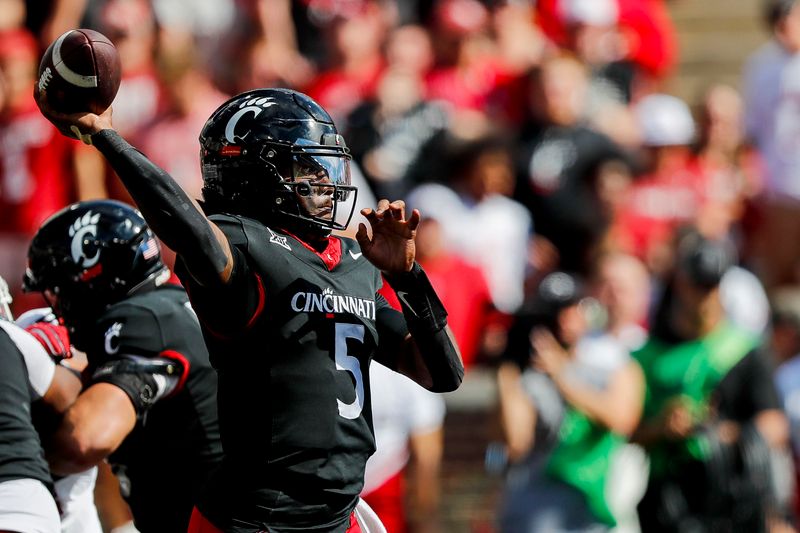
point(112, 338)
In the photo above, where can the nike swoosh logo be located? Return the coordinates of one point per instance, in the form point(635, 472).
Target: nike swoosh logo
point(402, 295)
point(354, 256)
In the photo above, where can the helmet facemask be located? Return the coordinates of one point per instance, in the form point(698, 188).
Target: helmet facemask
point(320, 184)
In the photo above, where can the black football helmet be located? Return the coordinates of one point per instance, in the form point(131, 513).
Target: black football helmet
point(276, 156)
point(91, 255)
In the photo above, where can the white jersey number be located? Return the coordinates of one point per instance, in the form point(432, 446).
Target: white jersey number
point(348, 363)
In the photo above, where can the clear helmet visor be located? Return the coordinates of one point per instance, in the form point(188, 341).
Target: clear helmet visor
point(323, 189)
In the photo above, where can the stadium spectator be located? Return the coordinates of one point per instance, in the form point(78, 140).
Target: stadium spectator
point(131, 26)
point(305, 479)
point(149, 404)
point(770, 85)
point(711, 413)
point(476, 325)
point(395, 135)
point(188, 96)
point(564, 166)
point(357, 61)
point(40, 171)
point(648, 30)
point(568, 399)
point(732, 171)
point(519, 46)
point(479, 220)
point(670, 192)
point(203, 23)
point(466, 70)
point(622, 286)
point(267, 38)
point(593, 36)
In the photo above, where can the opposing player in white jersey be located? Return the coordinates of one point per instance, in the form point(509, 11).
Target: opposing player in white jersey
point(29, 381)
point(74, 492)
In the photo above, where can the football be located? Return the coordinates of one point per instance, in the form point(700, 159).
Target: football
point(80, 71)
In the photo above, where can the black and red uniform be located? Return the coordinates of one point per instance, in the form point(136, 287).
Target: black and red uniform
point(293, 390)
point(175, 445)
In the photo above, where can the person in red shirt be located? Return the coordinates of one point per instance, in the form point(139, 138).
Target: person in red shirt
point(670, 192)
point(649, 32)
point(40, 170)
point(358, 61)
point(463, 287)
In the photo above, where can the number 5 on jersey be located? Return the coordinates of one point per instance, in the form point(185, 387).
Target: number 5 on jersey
point(348, 363)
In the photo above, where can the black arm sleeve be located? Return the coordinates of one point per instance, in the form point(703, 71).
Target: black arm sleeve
point(426, 318)
point(166, 207)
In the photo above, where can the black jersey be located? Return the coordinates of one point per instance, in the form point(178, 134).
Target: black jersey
point(175, 445)
point(293, 389)
point(21, 454)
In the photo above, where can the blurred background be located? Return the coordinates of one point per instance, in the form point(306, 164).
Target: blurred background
point(608, 188)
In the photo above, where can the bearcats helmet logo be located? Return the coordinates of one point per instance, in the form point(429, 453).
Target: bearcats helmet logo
point(82, 227)
point(250, 106)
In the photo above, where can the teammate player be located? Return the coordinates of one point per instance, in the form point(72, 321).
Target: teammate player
point(150, 403)
point(290, 313)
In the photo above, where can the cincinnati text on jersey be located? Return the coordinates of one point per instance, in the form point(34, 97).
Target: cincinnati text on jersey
point(328, 302)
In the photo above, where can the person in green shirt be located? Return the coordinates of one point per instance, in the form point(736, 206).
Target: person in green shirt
point(711, 411)
point(568, 399)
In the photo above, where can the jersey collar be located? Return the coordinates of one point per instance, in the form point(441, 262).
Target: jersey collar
point(331, 255)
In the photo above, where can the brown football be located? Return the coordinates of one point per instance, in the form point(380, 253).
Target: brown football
point(80, 71)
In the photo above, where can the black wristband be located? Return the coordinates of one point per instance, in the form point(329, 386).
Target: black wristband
point(137, 379)
point(426, 318)
point(141, 389)
point(419, 300)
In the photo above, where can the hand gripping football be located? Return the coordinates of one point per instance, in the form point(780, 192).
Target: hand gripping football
point(80, 71)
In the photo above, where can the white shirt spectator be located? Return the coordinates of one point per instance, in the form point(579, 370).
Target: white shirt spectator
point(772, 115)
point(400, 409)
point(492, 234)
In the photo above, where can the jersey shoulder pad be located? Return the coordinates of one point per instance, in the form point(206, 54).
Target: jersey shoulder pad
point(129, 327)
point(233, 227)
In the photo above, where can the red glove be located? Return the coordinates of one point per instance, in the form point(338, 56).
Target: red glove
point(53, 337)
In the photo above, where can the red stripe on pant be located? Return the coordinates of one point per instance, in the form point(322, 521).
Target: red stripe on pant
point(388, 502)
point(200, 524)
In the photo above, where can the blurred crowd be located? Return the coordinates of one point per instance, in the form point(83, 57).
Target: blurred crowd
point(627, 265)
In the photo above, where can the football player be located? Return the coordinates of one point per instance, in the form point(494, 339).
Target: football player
point(149, 405)
point(74, 492)
point(290, 312)
point(28, 379)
